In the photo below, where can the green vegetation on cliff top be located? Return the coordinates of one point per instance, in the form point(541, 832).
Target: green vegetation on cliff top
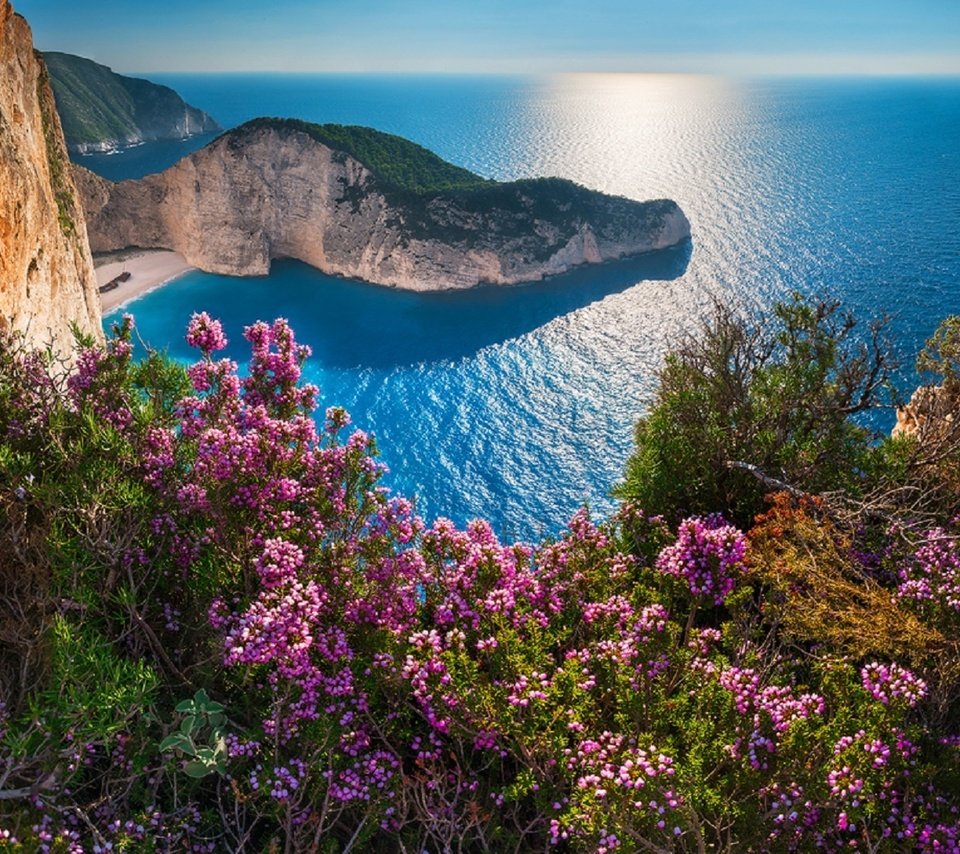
point(402, 164)
point(98, 106)
point(414, 176)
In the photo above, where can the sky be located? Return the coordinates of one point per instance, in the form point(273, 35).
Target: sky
point(506, 36)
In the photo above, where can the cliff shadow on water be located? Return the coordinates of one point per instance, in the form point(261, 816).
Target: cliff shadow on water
point(351, 324)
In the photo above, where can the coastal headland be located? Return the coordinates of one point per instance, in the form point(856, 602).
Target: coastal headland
point(355, 202)
point(104, 111)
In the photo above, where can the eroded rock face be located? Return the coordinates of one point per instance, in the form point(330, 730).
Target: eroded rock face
point(930, 415)
point(263, 193)
point(46, 272)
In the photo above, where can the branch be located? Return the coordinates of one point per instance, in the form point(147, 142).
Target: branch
point(29, 791)
point(15, 794)
point(156, 646)
point(881, 504)
point(770, 482)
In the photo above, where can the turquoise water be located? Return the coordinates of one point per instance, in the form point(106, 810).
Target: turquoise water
point(517, 404)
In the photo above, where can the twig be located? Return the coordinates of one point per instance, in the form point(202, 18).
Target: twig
point(769, 482)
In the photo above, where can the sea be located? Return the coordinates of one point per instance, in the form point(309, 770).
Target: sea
point(517, 404)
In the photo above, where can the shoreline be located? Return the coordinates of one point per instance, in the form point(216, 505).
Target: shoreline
point(148, 268)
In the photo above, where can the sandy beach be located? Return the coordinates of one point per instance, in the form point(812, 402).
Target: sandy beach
point(148, 269)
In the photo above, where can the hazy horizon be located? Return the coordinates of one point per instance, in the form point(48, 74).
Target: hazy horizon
point(739, 37)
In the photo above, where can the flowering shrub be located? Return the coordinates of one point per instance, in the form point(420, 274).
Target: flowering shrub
point(708, 556)
point(932, 573)
point(889, 683)
point(364, 680)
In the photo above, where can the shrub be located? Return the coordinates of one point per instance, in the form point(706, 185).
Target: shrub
point(245, 643)
point(777, 396)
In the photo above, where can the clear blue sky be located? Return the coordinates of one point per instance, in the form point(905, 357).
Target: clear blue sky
point(733, 36)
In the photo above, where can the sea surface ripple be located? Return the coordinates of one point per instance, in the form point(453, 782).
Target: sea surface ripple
point(517, 404)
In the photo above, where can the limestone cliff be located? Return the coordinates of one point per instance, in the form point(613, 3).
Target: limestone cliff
point(358, 203)
point(101, 110)
point(930, 415)
point(46, 273)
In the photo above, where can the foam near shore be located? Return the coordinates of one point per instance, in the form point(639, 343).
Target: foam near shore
point(148, 269)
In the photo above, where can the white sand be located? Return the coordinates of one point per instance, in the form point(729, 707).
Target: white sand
point(148, 269)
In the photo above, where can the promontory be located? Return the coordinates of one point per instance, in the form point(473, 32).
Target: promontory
point(356, 202)
point(103, 111)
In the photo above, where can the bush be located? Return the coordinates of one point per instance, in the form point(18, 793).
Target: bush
point(244, 643)
point(777, 396)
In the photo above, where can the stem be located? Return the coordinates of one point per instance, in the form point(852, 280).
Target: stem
point(690, 618)
point(356, 833)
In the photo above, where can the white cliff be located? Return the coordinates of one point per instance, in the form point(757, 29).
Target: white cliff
point(276, 189)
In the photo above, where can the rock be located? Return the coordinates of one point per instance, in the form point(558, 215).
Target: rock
point(358, 203)
point(929, 416)
point(46, 272)
point(104, 111)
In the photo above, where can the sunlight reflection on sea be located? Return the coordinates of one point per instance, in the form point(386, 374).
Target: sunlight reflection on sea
point(518, 405)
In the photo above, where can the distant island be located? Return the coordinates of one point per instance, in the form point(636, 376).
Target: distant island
point(103, 111)
point(357, 202)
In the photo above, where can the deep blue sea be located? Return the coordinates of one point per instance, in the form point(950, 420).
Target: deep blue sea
point(517, 404)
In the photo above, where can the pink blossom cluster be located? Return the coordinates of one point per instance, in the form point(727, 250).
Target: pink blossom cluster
point(96, 383)
point(205, 334)
point(611, 772)
point(248, 452)
point(932, 573)
point(366, 779)
point(766, 713)
point(869, 775)
point(795, 816)
point(708, 555)
point(891, 682)
point(30, 392)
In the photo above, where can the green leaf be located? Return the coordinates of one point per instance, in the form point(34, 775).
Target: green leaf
point(186, 706)
point(177, 740)
point(206, 754)
point(186, 725)
point(196, 770)
point(201, 698)
point(212, 707)
point(217, 720)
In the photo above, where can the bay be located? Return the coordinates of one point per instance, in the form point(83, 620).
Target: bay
point(517, 404)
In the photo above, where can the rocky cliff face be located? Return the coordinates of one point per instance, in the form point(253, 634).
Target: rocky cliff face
point(101, 110)
point(271, 190)
point(46, 273)
point(930, 415)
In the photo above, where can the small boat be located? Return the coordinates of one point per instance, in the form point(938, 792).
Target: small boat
point(114, 283)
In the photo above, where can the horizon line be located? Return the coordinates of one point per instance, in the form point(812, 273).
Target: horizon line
point(407, 72)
